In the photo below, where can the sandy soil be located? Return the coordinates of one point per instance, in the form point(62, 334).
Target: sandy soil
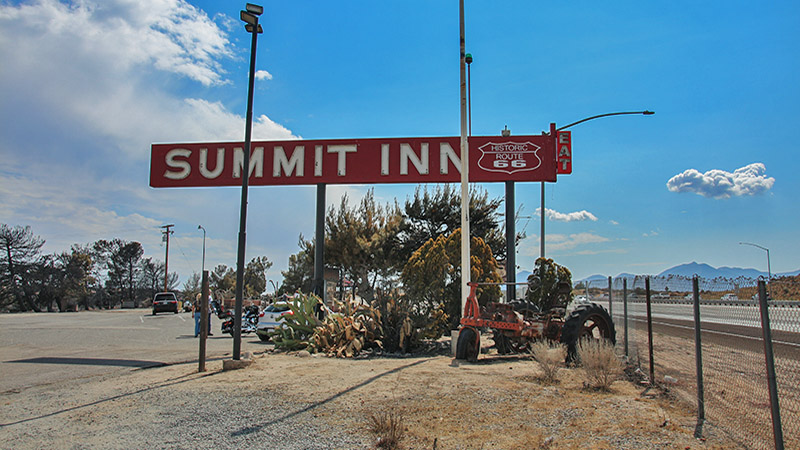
point(497, 403)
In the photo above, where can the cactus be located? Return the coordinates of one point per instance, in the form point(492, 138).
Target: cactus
point(349, 331)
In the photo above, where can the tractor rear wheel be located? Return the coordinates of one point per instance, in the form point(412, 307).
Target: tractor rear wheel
point(589, 321)
point(527, 309)
point(501, 343)
point(468, 345)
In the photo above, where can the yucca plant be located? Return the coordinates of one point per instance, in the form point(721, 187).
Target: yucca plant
point(298, 328)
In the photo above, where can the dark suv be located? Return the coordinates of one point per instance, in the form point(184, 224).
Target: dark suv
point(165, 302)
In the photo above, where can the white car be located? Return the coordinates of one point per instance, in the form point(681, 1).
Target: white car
point(271, 318)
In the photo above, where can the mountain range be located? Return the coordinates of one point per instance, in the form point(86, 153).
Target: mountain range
point(687, 270)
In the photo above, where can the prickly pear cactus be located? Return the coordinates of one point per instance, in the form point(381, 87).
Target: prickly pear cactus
point(349, 331)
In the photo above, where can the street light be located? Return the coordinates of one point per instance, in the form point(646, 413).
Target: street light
point(542, 210)
point(203, 269)
point(769, 269)
point(250, 17)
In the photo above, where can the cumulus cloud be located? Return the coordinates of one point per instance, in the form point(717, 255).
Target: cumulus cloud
point(263, 75)
point(747, 180)
point(576, 216)
point(170, 35)
point(86, 87)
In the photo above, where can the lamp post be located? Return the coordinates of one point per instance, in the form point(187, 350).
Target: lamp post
point(250, 17)
point(203, 267)
point(542, 210)
point(769, 269)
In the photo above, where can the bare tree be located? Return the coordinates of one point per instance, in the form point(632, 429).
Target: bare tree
point(19, 251)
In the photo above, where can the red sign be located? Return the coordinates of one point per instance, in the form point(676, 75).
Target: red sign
point(354, 161)
point(564, 158)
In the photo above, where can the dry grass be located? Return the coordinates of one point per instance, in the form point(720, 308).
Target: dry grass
point(550, 357)
point(600, 363)
point(388, 428)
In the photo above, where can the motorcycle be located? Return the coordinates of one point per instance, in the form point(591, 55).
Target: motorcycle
point(249, 320)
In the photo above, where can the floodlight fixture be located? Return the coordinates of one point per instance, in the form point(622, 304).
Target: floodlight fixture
point(254, 9)
point(249, 18)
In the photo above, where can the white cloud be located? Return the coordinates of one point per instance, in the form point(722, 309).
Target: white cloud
point(747, 180)
point(567, 217)
point(560, 242)
point(263, 75)
point(87, 86)
point(566, 242)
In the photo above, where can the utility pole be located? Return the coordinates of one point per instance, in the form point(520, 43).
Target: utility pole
point(165, 238)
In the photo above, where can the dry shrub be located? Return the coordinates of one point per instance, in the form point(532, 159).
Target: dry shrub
point(388, 428)
point(600, 363)
point(550, 357)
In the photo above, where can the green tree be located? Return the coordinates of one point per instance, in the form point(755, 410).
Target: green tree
point(549, 285)
point(78, 282)
point(20, 250)
point(223, 278)
point(432, 276)
point(362, 242)
point(255, 276)
point(430, 214)
point(299, 275)
point(192, 286)
point(124, 268)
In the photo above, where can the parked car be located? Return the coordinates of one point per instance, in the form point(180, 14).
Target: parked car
point(270, 318)
point(165, 302)
point(187, 306)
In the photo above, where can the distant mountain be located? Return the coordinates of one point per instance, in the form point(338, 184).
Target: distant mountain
point(700, 269)
point(707, 271)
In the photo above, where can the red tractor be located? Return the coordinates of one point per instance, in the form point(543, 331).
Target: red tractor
point(516, 325)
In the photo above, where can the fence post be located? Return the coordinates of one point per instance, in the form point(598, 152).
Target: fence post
point(698, 356)
point(201, 365)
point(777, 431)
point(610, 307)
point(650, 331)
point(625, 311)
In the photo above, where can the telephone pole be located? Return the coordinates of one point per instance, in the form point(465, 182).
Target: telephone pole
point(165, 238)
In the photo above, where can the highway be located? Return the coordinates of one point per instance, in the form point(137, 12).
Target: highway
point(736, 325)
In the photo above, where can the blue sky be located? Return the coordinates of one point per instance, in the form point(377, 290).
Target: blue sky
point(87, 86)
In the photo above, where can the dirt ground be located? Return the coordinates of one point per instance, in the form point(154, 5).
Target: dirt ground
point(497, 403)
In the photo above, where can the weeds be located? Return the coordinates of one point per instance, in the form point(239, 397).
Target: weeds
point(600, 363)
point(550, 356)
point(388, 428)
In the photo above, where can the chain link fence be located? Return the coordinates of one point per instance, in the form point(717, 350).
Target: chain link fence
point(731, 392)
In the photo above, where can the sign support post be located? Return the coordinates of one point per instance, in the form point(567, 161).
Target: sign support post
point(465, 234)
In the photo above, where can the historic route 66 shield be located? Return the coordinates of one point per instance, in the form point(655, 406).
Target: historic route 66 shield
point(509, 157)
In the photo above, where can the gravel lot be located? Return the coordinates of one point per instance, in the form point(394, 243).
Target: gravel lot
point(292, 402)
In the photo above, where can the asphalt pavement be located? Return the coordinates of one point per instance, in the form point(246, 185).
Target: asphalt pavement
point(43, 348)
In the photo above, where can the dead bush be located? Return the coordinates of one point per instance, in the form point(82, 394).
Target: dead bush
point(600, 363)
point(388, 428)
point(550, 357)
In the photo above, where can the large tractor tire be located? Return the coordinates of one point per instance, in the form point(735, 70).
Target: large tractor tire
point(527, 309)
point(589, 321)
point(468, 345)
point(501, 343)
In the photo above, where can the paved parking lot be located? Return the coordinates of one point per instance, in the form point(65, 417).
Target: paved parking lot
point(43, 348)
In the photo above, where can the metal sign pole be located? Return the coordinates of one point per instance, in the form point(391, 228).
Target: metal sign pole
point(465, 234)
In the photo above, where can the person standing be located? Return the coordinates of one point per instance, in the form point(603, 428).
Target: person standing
point(196, 312)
